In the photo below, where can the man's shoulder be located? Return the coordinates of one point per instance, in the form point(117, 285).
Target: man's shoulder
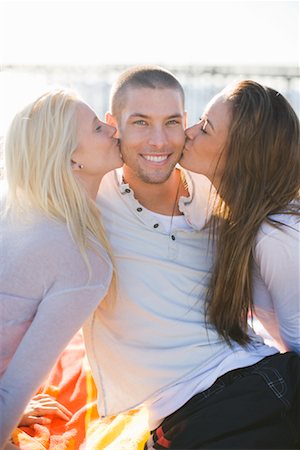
point(110, 179)
point(198, 179)
point(108, 186)
point(197, 206)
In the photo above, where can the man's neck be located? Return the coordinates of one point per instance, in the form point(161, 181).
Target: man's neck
point(161, 198)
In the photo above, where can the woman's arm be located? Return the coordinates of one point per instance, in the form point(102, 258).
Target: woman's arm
point(277, 294)
point(57, 319)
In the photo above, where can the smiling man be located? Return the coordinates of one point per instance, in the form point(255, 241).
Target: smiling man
point(151, 345)
point(149, 114)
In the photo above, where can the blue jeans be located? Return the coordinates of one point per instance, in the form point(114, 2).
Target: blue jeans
point(256, 407)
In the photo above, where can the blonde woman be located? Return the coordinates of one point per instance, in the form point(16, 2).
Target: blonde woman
point(55, 261)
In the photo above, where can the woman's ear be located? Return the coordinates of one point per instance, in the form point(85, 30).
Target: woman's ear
point(76, 166)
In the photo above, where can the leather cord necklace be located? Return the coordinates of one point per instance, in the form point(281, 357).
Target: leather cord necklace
point(174, 207)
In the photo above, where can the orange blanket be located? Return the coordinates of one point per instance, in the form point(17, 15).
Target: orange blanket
point(71, 383)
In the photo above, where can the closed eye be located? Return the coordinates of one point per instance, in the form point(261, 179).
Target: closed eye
point(205, 123)
point(98, 128)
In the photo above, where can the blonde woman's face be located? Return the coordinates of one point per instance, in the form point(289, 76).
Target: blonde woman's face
point(97, 150)
point(205, 151)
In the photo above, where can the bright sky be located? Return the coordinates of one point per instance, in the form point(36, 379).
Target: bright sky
point(165, 32)
point(157, 31)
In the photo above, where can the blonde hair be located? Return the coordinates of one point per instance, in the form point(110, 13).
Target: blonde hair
point(38, 151)
point(261, 178)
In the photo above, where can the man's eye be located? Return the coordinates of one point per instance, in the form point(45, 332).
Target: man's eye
point(140, 122)
point(172, 122)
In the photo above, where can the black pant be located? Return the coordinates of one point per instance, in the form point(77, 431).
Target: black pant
point(256, 407)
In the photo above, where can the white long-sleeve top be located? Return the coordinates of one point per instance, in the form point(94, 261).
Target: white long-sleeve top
point(154, 347)
point(45, 297)
point(276, 281)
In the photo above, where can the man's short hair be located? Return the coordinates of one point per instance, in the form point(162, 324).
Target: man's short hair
point(153, 77)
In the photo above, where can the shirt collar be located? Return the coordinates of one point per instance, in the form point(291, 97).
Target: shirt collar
point(197, 207)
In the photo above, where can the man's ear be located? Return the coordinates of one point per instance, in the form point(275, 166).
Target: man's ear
point(185, 119)
point(110, 119)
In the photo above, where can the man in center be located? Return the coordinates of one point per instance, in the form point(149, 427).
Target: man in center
point(151, 344)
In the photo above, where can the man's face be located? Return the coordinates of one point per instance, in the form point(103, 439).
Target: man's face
point(151, 128)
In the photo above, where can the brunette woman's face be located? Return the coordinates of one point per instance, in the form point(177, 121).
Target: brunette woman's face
point(205, 150)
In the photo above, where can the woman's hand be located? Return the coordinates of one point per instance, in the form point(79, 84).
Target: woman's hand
point(40, 406)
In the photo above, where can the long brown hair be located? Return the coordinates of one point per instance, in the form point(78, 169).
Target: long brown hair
point(261, 178)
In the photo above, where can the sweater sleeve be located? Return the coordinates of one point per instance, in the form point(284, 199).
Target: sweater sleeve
point(58, 317)
point(277, 255)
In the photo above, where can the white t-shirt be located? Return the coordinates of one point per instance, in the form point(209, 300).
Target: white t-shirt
point(154, 347)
